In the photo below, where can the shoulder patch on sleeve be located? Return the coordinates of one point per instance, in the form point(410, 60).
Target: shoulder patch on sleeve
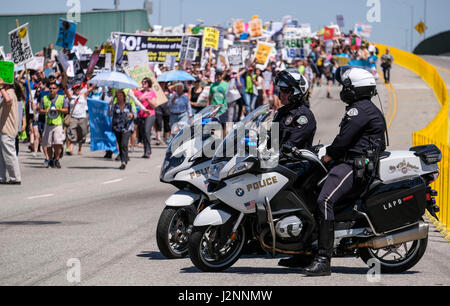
point(353, 112)
point(302, 120)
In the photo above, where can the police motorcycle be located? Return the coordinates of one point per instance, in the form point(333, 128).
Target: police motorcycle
point(270, 195)
point(186, 167)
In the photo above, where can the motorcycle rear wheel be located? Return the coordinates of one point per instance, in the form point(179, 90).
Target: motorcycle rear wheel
point(202, 250)
point(172, 234)
point(396, 259)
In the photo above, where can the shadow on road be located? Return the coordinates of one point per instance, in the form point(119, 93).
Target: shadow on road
point(151, 255)
point(93, 168)
point(246, 270)
point(278, 270)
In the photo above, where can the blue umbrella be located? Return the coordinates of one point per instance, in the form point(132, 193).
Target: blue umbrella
point(114, 79)
point(175, 75)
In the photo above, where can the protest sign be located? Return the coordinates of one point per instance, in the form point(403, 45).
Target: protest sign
point(137, 59)
point(66, 35)
point(170, 61)
point(36, 64)
point(100, 126)
point(189, 48)
point(2, 54)
point(211, 38)
point(363, 30)
point(157, 46)
point(238, 27)
point(328, 33)
point(262, 54)
point(19, 40)
point(294, 47)
point(341, 60)
point(80, 40)
point(255, 28)
point(235, 57)
point(7, 72)
point(140, 73)
point(340, 20)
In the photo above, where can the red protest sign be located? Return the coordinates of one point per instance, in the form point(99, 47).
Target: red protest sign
point(80, 40)
point(328, 34)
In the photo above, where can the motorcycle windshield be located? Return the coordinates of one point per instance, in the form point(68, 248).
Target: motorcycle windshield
point(188, 132)
point(243, 140)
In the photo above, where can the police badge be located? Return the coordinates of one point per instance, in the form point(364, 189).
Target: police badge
point(289, 120)
point(302, 120)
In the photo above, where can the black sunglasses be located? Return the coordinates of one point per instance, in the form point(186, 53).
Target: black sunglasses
point(285, 90)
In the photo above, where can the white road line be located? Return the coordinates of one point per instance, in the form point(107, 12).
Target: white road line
point(41, 196)
point(112, 182)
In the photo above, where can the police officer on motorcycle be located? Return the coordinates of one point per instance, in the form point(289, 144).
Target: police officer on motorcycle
point(363, 126)
point(297, 124)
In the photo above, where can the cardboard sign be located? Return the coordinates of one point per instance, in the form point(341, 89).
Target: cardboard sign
point(211, 38)
point(66, 35)
point(19, 40)
point(255, 28)
point(143, 72)
point(137, 59)
point(263, 54)
point(7, 72)
point(36, 64)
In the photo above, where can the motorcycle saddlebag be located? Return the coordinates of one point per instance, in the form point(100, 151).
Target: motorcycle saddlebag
point(391, 206)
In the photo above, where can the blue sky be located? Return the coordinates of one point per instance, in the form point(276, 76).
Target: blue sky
point(394, 28)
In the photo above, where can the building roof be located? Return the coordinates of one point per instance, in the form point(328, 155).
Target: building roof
point(95, 25)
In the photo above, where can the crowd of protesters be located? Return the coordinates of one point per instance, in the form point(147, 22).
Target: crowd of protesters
point(56, 121)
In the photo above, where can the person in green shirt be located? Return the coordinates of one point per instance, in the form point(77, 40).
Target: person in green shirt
point(217, 96)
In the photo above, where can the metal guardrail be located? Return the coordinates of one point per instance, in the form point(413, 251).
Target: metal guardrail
point(437, 132)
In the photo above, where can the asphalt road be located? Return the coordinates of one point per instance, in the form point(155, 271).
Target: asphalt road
point(91, 213)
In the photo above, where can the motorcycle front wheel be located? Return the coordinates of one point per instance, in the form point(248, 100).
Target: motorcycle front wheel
point(208, 252)
point(173, 231)
point(397, 258)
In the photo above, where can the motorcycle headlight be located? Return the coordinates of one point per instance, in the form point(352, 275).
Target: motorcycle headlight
point(171, 163)
point(241, 167)
point(215, 169)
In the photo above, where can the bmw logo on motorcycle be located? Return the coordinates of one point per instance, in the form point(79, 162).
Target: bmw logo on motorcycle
point(240, 192)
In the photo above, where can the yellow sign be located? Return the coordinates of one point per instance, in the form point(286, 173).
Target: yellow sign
point(211, 38)
point(263, 53)
point(421, 27)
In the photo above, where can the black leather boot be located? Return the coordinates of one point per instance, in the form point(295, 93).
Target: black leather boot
point(321, 265)
point(297, 261)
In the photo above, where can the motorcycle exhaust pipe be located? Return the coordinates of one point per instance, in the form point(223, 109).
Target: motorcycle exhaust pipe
point(418, 232)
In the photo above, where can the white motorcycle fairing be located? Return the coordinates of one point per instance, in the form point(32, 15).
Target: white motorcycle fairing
point(210, 216)
point(197, 176)
point(243, 192)
point(182, 198)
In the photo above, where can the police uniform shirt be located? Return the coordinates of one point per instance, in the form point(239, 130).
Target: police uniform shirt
point(297, 126)
point(362, 125)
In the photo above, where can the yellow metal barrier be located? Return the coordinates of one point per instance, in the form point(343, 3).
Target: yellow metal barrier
point(437, 132)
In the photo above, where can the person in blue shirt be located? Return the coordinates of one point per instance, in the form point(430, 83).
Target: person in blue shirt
point(180, 107)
